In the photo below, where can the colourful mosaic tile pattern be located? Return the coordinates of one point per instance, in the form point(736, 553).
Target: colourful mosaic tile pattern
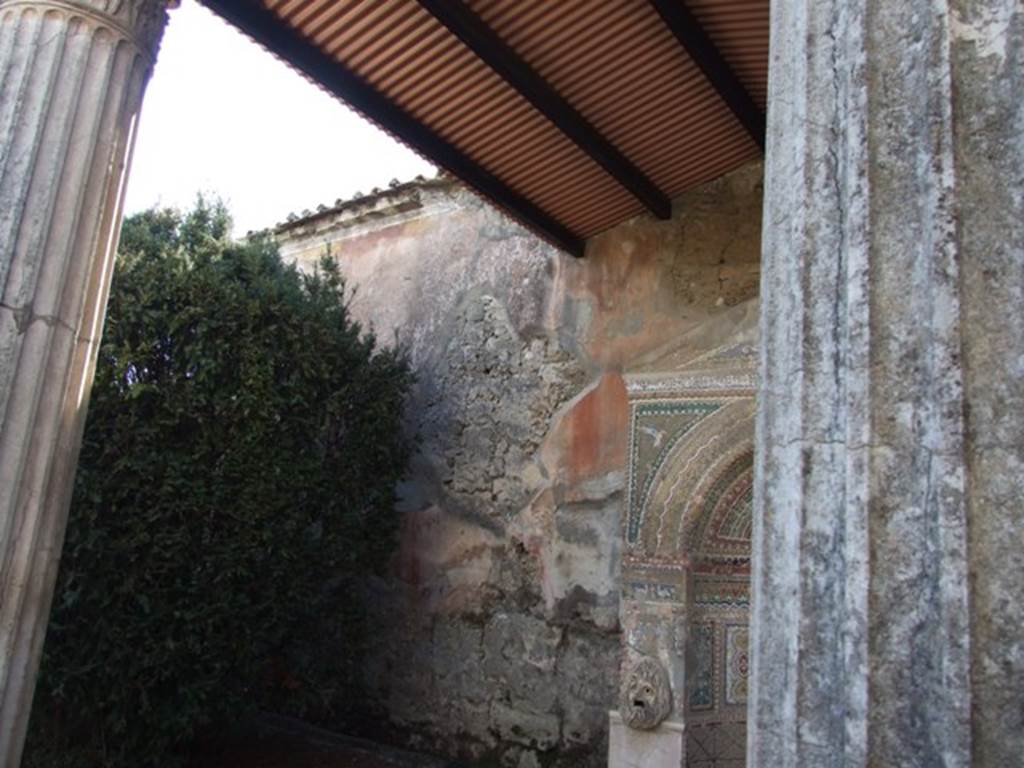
point(727, 518)
point(737, 663)
point(651, 591)
point(702, 674)
point(689, 506)
point(721, 594)
point(655, 429)
point(736, 522)
point(716, 745)
point(702, 504)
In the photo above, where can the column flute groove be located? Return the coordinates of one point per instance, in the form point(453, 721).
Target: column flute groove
point(72, 77)
point(887, 568)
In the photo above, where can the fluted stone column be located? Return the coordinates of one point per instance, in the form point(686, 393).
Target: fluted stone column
point(889, 533)
point(72, 75)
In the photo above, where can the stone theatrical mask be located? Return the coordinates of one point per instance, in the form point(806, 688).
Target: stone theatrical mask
point(645, 697)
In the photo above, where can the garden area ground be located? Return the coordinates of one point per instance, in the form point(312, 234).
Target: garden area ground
point(276, 742)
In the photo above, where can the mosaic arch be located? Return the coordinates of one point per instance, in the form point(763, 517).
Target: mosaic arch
point(687, 535)
point(718, 608)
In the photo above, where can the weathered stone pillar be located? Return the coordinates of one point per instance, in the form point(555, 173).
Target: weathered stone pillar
point(72, 75)
point(889, 532)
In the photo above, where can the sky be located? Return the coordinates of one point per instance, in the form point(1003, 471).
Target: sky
point(222, 116)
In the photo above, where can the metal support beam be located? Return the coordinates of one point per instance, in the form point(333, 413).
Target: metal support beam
point(263, 26)
point(695, 41)
point(500, 57)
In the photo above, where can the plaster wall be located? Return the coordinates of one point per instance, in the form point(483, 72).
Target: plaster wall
point(497, 626)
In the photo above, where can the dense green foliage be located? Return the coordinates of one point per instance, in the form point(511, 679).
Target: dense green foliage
point(240, 455)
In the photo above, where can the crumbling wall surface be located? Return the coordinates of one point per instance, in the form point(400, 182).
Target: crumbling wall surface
point(496, 626)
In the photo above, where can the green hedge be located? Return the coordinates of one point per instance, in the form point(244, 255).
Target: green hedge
point(241, 452)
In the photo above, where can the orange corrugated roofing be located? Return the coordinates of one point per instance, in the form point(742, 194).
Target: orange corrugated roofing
point(616, 62)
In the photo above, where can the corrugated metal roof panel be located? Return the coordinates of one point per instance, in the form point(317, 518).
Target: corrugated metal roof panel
point(615, 62)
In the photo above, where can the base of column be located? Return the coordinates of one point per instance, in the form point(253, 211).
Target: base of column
point(663, 747)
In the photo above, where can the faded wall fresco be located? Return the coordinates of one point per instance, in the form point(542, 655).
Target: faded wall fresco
point(497, 628)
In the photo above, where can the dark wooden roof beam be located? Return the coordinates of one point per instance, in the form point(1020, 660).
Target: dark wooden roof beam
point(695, 41)
point(500, 57)
point(263, 26)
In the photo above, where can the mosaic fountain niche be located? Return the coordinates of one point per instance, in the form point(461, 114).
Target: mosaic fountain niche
point(686, 566)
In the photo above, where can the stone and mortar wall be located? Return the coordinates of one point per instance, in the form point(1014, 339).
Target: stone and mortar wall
point(496, 629)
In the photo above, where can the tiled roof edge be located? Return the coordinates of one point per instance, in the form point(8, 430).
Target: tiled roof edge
point(396, 192)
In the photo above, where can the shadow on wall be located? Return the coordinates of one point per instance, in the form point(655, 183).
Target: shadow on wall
point(497, 628)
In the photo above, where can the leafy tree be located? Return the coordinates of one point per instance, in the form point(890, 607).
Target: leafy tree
point(237, 474)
